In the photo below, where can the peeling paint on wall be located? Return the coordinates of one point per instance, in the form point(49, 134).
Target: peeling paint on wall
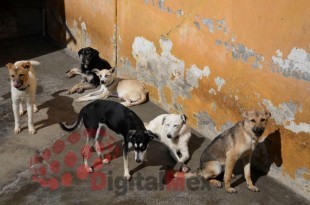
point(194, 74)
point(205, 123)
point(212, 91)
point(80, 30)
point(297, 63)
point(285, 115)
point(164, 69)
point(220, 82)
point(221, 25)
point(208, 23)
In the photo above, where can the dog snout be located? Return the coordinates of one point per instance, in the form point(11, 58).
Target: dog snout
point(17, 84)
point(258, 131)
point(102, 82)
point(169, 136)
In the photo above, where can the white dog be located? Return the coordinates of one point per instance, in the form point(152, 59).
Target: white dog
point(23, 88)
point(132, 92)
point(174, 133)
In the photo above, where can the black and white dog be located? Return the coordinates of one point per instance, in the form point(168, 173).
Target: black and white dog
point(89, 60)
point(121, 120)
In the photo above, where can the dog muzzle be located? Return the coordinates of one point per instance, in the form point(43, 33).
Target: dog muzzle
point(258, 131)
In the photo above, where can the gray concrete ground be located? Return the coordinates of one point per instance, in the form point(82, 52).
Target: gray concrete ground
point(46, 167)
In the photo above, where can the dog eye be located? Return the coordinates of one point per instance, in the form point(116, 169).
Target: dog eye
point(263, 120)
point(21, 75)
point(253, 120)
point(106, 75)
point(175, 125)
point(12, 76)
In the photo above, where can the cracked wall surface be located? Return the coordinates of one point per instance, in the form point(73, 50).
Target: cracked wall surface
point(210, 60)
point(213, 60)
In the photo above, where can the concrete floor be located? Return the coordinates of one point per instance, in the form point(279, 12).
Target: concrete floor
point(56, 177)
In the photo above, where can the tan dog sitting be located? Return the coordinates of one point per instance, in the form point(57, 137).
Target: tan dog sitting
point(131, 91)
point(23, 88)
point(238, 142)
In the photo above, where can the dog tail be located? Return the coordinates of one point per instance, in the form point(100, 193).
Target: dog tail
point(33, 62)
point(72, 127)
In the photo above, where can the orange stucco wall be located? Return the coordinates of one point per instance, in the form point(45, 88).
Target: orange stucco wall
point(212, 60)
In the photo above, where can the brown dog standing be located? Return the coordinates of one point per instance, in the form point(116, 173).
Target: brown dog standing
point(238, 142)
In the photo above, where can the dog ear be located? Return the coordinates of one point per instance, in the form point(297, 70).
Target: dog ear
point(183, 118)
point(95, 52)
point(112, 70)
point(130, 133)
point(10, 65)
point(267, 114)
point(163, 122)
point(95, 71)
point(245, 115)
point(80, 52)
point(26, 65)
point(151, 134)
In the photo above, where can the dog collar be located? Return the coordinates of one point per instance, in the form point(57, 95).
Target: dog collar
point(23, 88)
point(110, 83)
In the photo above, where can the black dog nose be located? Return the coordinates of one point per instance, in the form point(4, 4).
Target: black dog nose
point(258, 131)
point(169, 136)
point(102, 82)
point(138, 160)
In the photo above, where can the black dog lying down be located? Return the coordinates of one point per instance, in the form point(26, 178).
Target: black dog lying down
point(89, 60)
point(121, 120)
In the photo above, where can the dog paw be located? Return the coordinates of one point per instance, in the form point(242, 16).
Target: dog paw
point(17, 130)
point(32, 131)
point(253, 188)
point(69, 74)
point(216, 183)
point(231, 190)
point(21, 112)
point(127, 177)
point(185, 168)
point(89, 169)
point(79, 100)
point(80, 90)
point(35, 109)
point(105, 161)
point(70, 92)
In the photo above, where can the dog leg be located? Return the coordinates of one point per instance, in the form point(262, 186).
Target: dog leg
point(247, 173)
point(15, 105)
point(85, 86)
point(86, 152)
point(21, 110)
point(73, 72)
point(35, 108)
point(211, 170)
point(73, 89)
point(185, 154)
point(230, 164)
point(98, 147)
point(126, 168)
point(89, 97)
point(30, 116)
point(133, 99)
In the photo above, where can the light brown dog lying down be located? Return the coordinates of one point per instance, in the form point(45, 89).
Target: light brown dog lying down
point(131, 91)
